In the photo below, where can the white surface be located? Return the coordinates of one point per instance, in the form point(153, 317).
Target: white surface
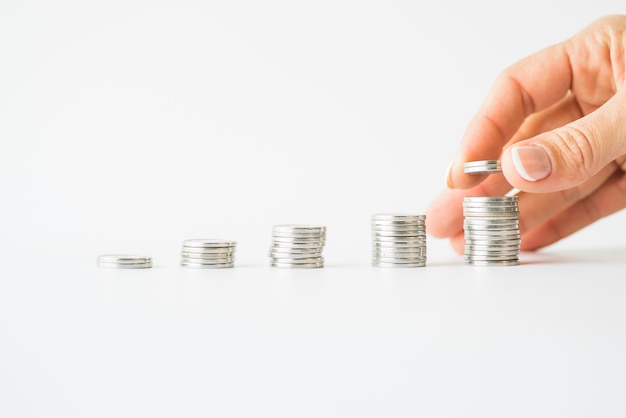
point(543, 339)
point(128, 126)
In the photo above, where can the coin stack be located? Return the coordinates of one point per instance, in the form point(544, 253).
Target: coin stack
point(297, 246)
point(398, 240)
point(124, 261)
point(208, 253)
point(491, 229)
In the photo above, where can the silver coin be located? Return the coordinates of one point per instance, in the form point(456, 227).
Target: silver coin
point(216, 252)
point(203, 259)
point(299, 227)
point(292, 250)
point(104, 264)
point(209, 260)
point(299, 240)
point(491, 230)
point(400, 263)
point(398, 236)
point(403, 224)
point(395, 228)
point(416, 220)
point(384, 230)
point(494, 230)
point(499, 215)
point(193, 265)
point(490, 244)
point(489, 202)
point(469, 230)
point(392, 260)
point(124, 263)
point(490, 238)
point(481, 163)
point(209, 251)
point(472, 224)
point(403, 265)
point(209, 243)
point(124, 258)
point(482, 170)
point(489, 258)
point(294, 245)
point(487, 221)
point(289, 250)
point(399, 254)
point(481, 211)
point(319, 259)
point(294, 256)
point(400, 224)
point(299, 233)
point(491, 199)
point(493, 263)
point(399, 243)
point(495, 242)
point(399, 248)
point(297, 266)
point(468, 225)
point(489, 210)
point(493, 239)
point(389, 235)
point(398, 217)
point(478, 253)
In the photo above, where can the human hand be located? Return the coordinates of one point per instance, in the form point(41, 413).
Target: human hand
point(557, 120)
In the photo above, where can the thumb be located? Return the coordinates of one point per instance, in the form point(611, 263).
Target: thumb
point(569, 155)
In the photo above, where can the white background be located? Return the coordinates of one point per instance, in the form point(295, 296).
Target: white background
point(128, 126)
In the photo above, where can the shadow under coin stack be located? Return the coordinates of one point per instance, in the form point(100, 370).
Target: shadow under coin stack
point(124, 261)
point(398, 240)
point(297, 246)
point(208, 253)
point(491, 224)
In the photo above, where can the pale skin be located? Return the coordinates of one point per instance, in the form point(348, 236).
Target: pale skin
point(566, 107)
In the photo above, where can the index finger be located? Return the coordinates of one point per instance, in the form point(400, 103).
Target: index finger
point(529, 86)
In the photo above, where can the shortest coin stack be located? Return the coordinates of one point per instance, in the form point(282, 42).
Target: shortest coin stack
point(398, 240)
point(208, 253)
point(297, 246)
point(491, 229)
point(124, 261)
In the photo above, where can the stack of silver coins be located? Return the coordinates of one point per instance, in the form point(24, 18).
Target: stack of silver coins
point(124, 261)
point(398, 240)
point(297, 246)
point(208, 253)
point(491, 227)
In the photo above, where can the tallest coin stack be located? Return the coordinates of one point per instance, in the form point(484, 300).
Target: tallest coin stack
point(491, 224)
point(491, 229)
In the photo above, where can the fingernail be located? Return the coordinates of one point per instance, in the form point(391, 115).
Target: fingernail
point(531, 162)
point(448, 177)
